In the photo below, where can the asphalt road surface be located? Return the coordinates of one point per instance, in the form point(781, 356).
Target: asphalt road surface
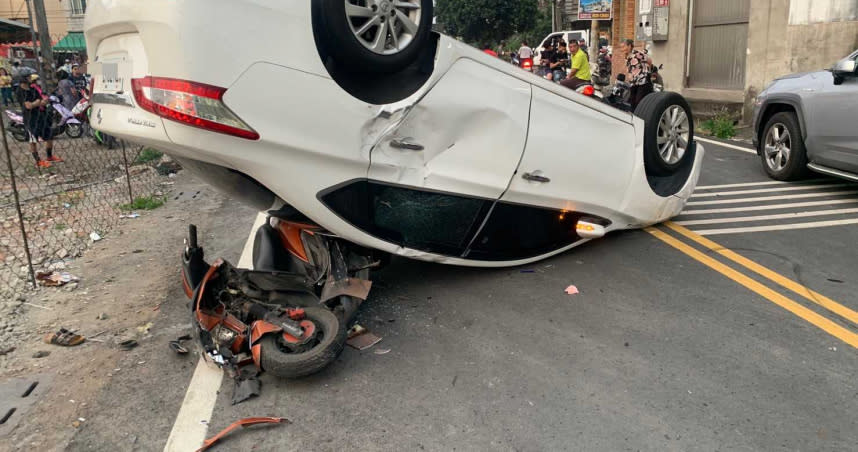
point(732, 328)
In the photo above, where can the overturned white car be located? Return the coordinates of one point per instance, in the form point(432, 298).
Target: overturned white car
point(382, 132)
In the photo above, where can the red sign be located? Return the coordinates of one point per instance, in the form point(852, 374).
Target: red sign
point(662, 3)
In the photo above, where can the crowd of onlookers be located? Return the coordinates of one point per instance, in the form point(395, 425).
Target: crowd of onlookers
point(22, 85)
point(569, 65)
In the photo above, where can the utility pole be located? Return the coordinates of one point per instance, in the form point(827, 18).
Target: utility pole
point(553, 15)
point(594, 40)
point(45, 44)
point(33, 40)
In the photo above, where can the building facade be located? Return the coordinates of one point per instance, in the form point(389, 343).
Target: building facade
point(725, 52)
point(56, 10)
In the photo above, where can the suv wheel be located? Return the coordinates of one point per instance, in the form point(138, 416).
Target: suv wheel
point(783, 153)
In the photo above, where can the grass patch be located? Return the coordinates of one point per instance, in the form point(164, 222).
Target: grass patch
point(720, 126)
point(60, 227)
point(148, 155)
point(144, 203)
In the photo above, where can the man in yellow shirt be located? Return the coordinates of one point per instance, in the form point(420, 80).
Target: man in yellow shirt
point(580, 72)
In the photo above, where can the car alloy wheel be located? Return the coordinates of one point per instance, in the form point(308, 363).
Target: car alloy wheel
point(385, 27)
point(777, 147)
point(673, 134)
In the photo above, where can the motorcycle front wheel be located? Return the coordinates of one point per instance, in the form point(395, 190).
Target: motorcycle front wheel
point(285, 360)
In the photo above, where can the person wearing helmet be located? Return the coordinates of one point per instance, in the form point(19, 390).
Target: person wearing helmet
point(37, 119)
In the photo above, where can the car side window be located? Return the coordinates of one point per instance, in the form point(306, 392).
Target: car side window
point(428, 221)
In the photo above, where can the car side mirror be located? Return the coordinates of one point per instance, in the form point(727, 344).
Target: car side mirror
point(843, 67)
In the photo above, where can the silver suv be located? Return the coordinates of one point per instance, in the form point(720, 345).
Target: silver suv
point(809, 121)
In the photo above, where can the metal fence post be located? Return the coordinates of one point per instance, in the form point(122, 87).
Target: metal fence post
point(127, 173)
point(18, 203)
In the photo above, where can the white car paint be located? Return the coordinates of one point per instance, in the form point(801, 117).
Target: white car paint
point(482, 122)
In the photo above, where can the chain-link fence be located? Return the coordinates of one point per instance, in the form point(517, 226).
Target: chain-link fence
point(62, 185)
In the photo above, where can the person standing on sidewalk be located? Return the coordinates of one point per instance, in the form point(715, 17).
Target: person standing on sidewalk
point(6, 86)
point(638, 67)
point(37, 120)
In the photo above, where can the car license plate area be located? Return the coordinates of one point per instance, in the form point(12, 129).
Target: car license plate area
point(111, 77)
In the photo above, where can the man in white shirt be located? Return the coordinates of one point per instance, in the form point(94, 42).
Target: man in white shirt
point(525, 51)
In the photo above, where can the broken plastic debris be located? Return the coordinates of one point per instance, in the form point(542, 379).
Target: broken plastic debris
point(131, 215)
point(361, 338)
point(55, 279)
point(94, 236)
point(242, 423)
point(572, 290)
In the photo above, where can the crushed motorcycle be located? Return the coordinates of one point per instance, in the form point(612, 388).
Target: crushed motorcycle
point(288, 316)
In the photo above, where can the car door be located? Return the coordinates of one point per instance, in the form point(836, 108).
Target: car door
point(830, 121)
point(578, 161)
point(433, 179)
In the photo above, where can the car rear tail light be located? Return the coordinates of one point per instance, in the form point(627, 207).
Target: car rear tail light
point(194, 104)
point(588, 91)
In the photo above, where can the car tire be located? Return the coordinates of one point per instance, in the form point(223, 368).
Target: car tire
point(351, 50)
point(782, 148)
point(278, 360)
point(668, 132)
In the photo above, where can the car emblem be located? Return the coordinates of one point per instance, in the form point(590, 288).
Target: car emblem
point(385, 7)
point(98, 115)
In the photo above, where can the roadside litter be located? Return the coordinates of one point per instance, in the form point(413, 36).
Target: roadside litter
point(177, 346)
point(55, 279)
point(361, 338)
point(247, 384)
point(127, 344)
point(242, 423)
point(64, 338)
point(572, 290)
point(130, 216)
point(94, 236)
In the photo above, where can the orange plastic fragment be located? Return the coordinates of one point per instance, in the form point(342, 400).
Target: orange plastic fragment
point(242, 423)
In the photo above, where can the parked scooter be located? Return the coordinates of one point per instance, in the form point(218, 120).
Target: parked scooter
point(62, 120)
point(81, 110)
point(602, 76)
point(16, 126)
point(67, 123)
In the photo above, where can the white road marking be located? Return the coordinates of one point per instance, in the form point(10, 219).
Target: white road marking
point(189, 430)
point(817, 213)
point(770, 207)
point(729, 146)
point(743, 184)
point(772, 198)
point(780, 227)
point(769, 190)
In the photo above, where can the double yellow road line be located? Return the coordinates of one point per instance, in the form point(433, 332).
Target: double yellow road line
point(820, 321)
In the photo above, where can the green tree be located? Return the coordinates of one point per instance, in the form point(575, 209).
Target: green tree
point(482, 22)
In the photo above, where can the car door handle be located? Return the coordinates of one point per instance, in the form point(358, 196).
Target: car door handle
point(535, 176)
point(405, 143)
